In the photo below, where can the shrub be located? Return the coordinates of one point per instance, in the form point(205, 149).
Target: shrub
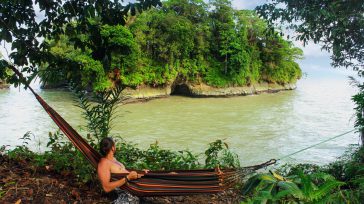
point(341, 181)
point(63, 158)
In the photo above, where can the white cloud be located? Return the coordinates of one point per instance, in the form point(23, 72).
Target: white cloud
point(311, 49)
point(5, 50)
point(239, 4)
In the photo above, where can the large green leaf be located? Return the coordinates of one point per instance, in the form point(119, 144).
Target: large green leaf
point(325, 189)
point(281, 194)
point(292, 188)
point(268, 178)
point(251, 184)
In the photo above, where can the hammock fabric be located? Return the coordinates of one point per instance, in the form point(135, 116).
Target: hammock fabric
point(156, 183)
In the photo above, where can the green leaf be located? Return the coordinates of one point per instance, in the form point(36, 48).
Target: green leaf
point(326, 188)
point(268, 177)
point(292, 188)
point(251, 184)
point(281, 194)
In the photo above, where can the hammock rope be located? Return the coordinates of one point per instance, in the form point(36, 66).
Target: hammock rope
point(314, 145)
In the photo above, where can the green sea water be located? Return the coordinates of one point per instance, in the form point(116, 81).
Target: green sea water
point(257, 128)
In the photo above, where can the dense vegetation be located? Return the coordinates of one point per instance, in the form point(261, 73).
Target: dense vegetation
point(187, 41)
point(88, 25)
point(62, 156)
point(338, 182)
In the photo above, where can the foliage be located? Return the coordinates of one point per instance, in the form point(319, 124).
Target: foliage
point(218, 154)
point(350, 169)
point(306, 188)
point(224, 36)
point(358, 99)
point(64, 158)
point(4, 70)
point(98, 110)
point(61, 157)
point(22, 150)
point(78, 65)
point(155, 158)
point(338, 182)
point(184, 41)
point(337, 25)
point(217, 44)
point(93, 27)
point(214, 77)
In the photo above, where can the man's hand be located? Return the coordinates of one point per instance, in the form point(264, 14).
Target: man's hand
point(142, 174)
point(146, 171)
point(132, 175)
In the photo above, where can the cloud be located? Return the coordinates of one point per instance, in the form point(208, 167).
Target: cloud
point(5, 50)
point(311, 49)
point(239, 4)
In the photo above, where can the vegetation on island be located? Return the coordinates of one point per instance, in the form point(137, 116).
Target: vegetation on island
point(184, 41)
point(191, 41)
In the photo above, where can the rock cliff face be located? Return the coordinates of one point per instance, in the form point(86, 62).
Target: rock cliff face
point(203, 90)
point(56, 85)
point(146, 93)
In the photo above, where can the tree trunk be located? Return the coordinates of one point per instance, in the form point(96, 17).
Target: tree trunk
point(362, 130)
point(225, 63)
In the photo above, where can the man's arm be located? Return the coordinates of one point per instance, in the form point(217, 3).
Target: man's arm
point(104, 174)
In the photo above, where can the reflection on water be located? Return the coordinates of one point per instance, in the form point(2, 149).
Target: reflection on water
point(257, 128)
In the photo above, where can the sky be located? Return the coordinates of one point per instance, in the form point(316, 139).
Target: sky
point(246, 4)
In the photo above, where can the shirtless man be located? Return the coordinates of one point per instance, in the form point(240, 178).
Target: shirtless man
point(108, 164)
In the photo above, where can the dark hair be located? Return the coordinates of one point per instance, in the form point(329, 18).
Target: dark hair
point(105, 145)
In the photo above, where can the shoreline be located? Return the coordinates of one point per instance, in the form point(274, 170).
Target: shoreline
point(147, 93)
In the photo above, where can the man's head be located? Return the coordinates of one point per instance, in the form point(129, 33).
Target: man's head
point(106, 145)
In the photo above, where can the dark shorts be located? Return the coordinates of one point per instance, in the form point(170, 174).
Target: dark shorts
point(125, 197)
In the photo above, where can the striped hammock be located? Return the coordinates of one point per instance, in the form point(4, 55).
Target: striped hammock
point(156, 183)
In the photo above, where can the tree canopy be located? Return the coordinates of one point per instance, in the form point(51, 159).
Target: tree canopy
point(98, 43)
point(337, 25)
point(217, 45)
point(88, 24)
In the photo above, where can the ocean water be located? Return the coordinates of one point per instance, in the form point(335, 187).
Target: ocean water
point(257, 128)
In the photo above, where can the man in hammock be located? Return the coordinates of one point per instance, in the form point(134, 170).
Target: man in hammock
point(108, 165)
